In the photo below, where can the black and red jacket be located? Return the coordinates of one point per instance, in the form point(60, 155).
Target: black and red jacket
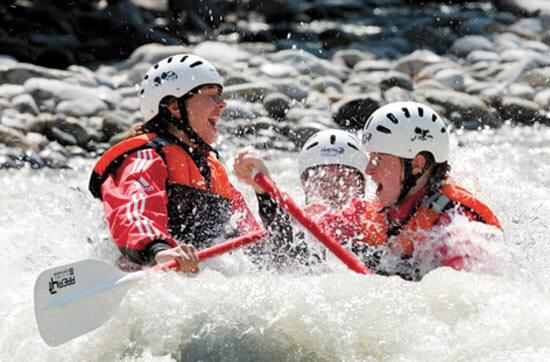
point(157, 192)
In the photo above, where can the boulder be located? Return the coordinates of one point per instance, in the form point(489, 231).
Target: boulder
point(353, 112)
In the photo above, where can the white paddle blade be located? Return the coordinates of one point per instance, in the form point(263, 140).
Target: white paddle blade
point(74, 299)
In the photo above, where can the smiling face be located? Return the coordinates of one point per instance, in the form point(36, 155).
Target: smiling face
point(332, 184)
point(386, 172)
point(204, 110)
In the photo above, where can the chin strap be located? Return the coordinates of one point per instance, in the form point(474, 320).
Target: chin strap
point(410, 180)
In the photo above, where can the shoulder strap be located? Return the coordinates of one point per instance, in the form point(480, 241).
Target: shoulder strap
point(114, 156)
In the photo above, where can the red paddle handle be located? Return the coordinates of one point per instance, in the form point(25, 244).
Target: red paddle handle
point(286, 202)
point(218, 249)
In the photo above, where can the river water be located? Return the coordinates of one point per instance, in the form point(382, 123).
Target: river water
point(47, 218)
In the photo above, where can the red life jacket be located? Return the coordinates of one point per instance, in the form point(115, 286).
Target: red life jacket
point(197, 210)
point(429, 212)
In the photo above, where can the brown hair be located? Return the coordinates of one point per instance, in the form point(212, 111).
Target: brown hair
point(439, 171)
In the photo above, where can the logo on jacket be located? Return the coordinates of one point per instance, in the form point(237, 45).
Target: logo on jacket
point(165, 76)
point(332, 151)
point(421, 134)
point(62, 279)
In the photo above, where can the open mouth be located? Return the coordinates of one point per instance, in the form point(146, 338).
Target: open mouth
point(213, 121)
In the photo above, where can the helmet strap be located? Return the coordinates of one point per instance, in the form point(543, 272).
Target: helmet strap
point(410, 180)
point(183, 125)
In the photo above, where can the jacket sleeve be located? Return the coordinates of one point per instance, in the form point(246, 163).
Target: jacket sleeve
point(135, 203)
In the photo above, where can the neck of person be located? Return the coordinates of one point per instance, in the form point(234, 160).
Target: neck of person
point(180, 135)
point(420, 184)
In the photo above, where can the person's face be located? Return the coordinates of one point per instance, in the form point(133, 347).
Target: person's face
point(333, 184)
point(387, 173)
point(204, 110)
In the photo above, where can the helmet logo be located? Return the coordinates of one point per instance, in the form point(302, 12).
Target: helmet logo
point(332, 151)
point(165, 76)
point(367, 137)
point(421, 134)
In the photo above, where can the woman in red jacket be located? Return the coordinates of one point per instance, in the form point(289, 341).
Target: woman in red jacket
point(164, 192)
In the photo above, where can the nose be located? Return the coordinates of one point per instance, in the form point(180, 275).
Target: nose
point(370, 167)
point(220, 102)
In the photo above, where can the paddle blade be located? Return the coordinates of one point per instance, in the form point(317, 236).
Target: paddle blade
point(73, 299)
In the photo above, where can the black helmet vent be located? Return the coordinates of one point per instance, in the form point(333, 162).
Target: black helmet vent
point(392, 118)
point(383, 129)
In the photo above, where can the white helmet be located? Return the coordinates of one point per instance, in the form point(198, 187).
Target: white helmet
point(174, 76)
point(332, 147)
point(405, 129)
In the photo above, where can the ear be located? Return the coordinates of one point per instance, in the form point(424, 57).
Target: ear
point(174, 108)
point(418, 164)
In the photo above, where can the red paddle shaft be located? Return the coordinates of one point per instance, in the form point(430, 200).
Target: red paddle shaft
point(286, 202)
point(218, 249)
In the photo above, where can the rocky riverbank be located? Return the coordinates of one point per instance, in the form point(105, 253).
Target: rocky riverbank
point(331, 66)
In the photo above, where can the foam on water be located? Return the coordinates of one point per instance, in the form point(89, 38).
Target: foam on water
point(47, 218)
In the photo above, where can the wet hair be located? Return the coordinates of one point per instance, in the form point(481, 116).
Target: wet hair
point(161, 122)
point(439, 171)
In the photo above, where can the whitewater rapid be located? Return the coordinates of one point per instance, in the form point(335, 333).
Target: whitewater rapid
point(48, 218)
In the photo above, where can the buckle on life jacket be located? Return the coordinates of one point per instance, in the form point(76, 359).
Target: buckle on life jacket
point(438, 202)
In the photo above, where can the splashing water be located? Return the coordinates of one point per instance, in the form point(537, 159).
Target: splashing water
point(47, 218)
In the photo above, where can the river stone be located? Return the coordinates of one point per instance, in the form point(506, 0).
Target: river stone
point(372, 66)
point(521, 91)
point(469, 107)
point(42, 89)
point(519, 110)
point(69, 131)
point(539, 77)
point(19, 121)
point(115, 122)
point(249, 91)
point(465, 45)
point(414, 62)
point(13, 138)
point(9, 91)
point(543, 99)
point(395, 79)
point(278, 70)
point(220, 52)
point(19, 73)
point(292, 89)
point(524, 8)
point(452, 78)
point(302, 133)
point(277, 105)
point(38, 141)
point(307, 63)
point(130, 104)
point(54, 158)
point(235, 79)
point(482, 56)
point(152, 54)
point(24, 103)
point(353, 111)
point(324, 84)
point(396, 94)
point(350, 57)
point(81, 107)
